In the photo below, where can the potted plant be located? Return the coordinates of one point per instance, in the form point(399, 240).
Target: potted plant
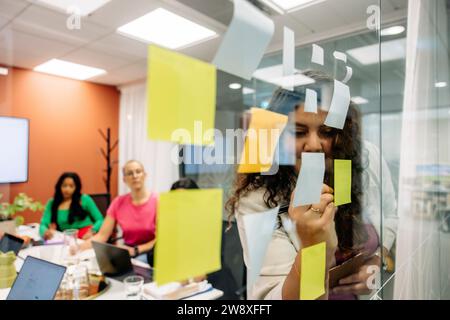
point(22, 202)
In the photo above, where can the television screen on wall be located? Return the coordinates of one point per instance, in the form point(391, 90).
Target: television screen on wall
point(14, 140)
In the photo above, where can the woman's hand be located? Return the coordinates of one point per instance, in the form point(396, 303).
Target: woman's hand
point(360, 283)
point(315, 223)
point(49, 234)
point(130, 249)
point(89, 234)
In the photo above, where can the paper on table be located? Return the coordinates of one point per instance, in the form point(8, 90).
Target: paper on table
point(259, 228)
point(342, 182)
point(310, 179)
point(189, 233)
point(288, 56)
point(181, 97)
point(312, 277)
point(245, 41)
point(311, 101)
point(339, 106)
point(317, 55)
point(261, 141)
point(340, 56)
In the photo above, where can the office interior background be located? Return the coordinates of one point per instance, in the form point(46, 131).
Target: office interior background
point(400, 84)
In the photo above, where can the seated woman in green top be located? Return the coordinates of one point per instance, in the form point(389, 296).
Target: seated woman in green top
point(70, 209)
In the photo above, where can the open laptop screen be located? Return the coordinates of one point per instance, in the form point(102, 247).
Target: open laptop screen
point(37, 280)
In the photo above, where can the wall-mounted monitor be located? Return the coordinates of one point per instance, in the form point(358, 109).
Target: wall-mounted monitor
point(14, 141)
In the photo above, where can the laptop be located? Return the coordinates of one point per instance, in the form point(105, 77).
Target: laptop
point(11, 243)
point(37, 280)
point(116, 263)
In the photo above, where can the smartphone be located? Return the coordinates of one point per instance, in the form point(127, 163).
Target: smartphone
point(346, 269)
point(11, 243)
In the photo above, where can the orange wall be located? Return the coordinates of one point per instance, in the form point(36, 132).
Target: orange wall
point(65, 116)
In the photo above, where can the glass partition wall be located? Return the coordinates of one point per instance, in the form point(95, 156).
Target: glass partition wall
point(400, 88)
point(398, 52)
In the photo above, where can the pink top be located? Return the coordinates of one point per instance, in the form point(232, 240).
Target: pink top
point(137, 222)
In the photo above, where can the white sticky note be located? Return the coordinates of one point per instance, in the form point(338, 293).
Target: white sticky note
point(311, 101)
point(339, 106)
point(340, 56)
point(245, 41)
point(289, 57)
point(310, 179)
point(317, 55)
point(285, 151)
point(349, 75)
point(259, 228)
point(288, 52)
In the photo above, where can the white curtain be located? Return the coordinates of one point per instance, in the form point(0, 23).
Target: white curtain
point(423, 248)
point(134, 144)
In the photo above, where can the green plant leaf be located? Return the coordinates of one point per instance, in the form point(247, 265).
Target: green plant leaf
point(19, 221)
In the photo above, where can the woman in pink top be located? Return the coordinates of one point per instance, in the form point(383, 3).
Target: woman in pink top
point(134, 212)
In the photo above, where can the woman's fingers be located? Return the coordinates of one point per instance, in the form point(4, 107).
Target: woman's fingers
point(329, 213)
point(357, 289)
point(325, 199)
point(354, 278)
point(327, 189)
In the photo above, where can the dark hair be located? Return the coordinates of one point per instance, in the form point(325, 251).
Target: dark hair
point(76, 212)
point(347, 144)
point(184, 183)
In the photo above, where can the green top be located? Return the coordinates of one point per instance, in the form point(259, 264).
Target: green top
point(94, 216)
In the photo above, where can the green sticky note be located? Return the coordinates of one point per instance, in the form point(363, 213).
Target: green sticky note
point(342, 182)
point(188, 234)
point(312, 277)
point(181, 98)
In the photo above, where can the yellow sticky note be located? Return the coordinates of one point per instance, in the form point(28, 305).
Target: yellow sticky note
point(188, 234)
point(342, 182)
point(312, 277)
point(261, 140)
point(181, 98)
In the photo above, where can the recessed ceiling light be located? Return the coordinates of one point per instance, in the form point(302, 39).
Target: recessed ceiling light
point(392, 31)
point(360, 100)
point(275, 76)
point(167, 29)
point(246, 90)
point(442, 84)
point(85, 7)
point(69, 69)
point(4, 71)
point(291, 5)
point(235, 86)
point(390, 50)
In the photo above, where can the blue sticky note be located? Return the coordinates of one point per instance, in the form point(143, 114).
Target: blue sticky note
point(245, 41)
point(310, 179)
point(259, 228)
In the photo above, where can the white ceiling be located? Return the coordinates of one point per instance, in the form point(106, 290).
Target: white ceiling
point(31, 34)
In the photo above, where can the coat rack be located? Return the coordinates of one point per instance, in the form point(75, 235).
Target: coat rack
point(107, 155)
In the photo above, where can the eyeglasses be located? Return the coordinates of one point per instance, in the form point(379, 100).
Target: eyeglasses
point(133, 173)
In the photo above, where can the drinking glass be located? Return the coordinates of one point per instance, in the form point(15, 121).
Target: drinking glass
point(80, 280)
point(70, 247)
point(133, 287)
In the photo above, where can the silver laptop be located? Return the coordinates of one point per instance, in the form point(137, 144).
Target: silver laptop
point(37, 280)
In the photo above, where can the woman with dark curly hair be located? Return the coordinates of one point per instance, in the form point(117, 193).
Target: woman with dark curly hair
point(343, 228)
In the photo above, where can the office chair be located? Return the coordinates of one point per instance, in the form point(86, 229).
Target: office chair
point(102, 201)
